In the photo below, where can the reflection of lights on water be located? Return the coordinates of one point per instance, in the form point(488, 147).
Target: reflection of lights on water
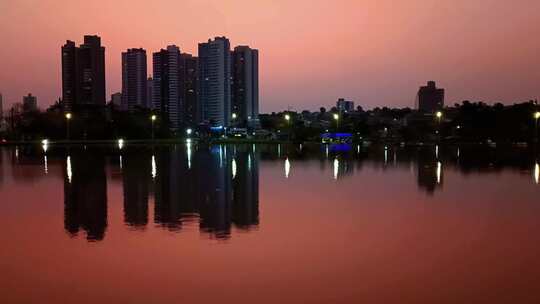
point(385, 155)
point(395, 157)
point(301, 147)
point(220, 156)
point(188, 152)
point(439, 169)
point(437, 151)
point(45, 145)
point(287, 167)
point(537, 173)
point(336, 168)
point(120, 144)
point(249, 162)
point(358, 149)
point(68, 169)
point(233, 165)
point(279, 150)
point(45, 164)
point(458, 153)
point(17, 152)
point(253, 146)
point(327, 151)
point(120, 160)
point(154, 167)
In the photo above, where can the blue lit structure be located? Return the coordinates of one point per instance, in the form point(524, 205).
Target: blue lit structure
point(336, 138)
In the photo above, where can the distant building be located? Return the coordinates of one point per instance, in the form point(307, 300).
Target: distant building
point(134, 79)
point(245, 88)
point(116, 101)
point(29, 103)
point(149, 92)
point(190, 75)
point(345, 105)
point(215, 81)
point(167, 91)
point(83, 74)
point(430, 98)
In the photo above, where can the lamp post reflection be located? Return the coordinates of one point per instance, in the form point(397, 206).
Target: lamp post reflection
point(287, 167)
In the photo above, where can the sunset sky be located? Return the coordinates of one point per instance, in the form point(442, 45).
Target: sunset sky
point(375, 52)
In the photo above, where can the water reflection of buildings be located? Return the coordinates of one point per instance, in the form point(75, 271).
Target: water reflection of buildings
point(220, 187)
point(136, 187)
point(85, 195)
point(430, 171)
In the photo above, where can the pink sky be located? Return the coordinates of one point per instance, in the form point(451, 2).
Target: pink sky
point(375, 52)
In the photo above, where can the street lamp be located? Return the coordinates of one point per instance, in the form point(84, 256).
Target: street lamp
point(336, 118)
point(68, 119)
point(288, 119)
point(153, 119)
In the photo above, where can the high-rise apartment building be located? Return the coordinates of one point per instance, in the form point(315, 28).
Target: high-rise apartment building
point(149, 92)
point(344, 106)
point(215, 81)
point(29, 103)
point(245, 87)
point(134, 79)
point(190, 109)
point(83, 74)
point(167, 88)
point(430, 98)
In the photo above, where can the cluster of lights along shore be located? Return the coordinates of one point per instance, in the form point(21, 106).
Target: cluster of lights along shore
point(189, 131)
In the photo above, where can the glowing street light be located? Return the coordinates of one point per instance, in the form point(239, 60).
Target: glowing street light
point(536, 118)
point(287, 117)
point(336, 118)
point(68, 119)
point(234, 116)
point(189, 131)
point(439, 114)
point(120, 143)
point(153, 119)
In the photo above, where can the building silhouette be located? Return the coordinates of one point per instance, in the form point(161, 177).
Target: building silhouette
point(167, 91)
point(116, 100)
point(85, 195)
point(149, 92)
point(430, 98)
point(83, 74)
point(134, 79)
point(215, 81)
point(245, 87)
point(29, 103)
point(344, 106)
point(191, 115)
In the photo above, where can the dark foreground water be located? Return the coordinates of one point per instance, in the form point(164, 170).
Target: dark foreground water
point(268, 224)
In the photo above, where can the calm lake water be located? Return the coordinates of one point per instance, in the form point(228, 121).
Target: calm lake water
point(268, 224)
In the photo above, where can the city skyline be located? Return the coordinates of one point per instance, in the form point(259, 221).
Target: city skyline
point(382, 51)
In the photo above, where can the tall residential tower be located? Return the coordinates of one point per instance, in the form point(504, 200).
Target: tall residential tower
point(245, 88)
point(215, 81)
point(83, 74)
point(167, 90)
point(134, 78)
